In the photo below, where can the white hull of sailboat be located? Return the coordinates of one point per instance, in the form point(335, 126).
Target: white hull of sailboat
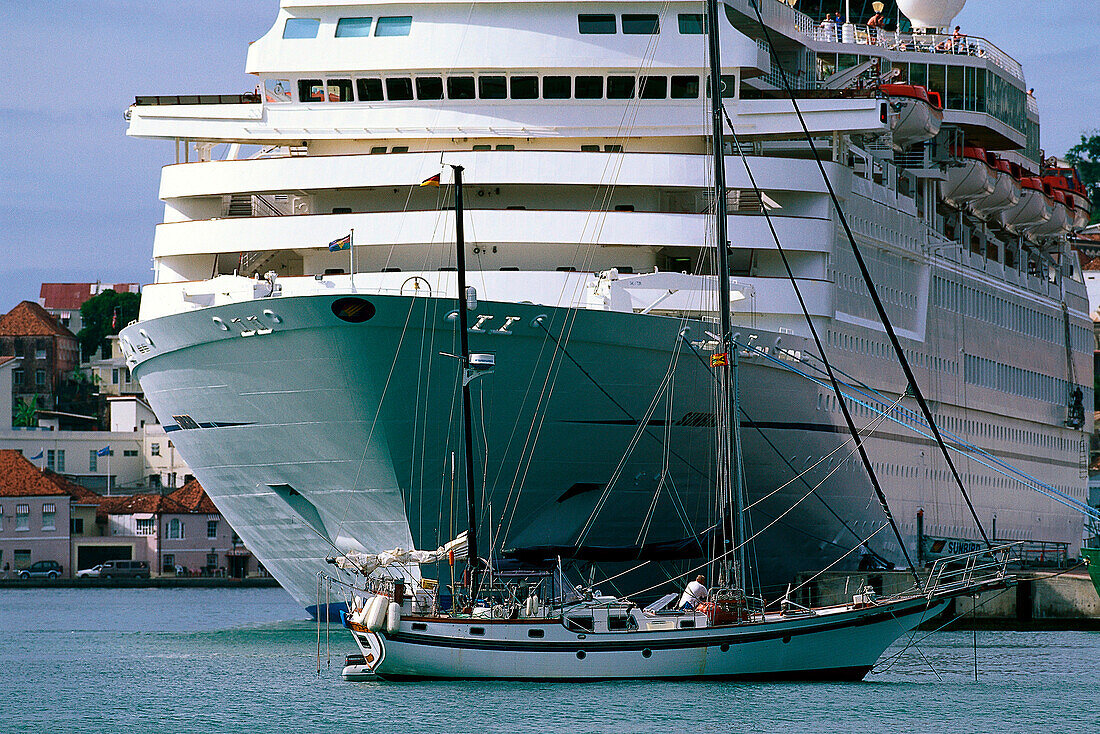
point(838, 643)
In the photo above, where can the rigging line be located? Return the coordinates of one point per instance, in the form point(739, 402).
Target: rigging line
point(966, 449)
point(879, 492)
point(894, 341)
point(798, 475)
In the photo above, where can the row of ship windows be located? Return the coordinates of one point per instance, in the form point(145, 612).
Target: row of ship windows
point(993, 309)
point(854, 284)
point(393, 89)
point(1016, 380)
point(861, 345)
point(638, 24)
point(962, 427)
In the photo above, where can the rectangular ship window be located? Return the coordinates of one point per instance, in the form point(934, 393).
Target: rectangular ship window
point(311, 90)
point(399, 89)
point(276, 90)
point(589, 87)
point(653, 87)
point(429, 87)
point(301, 27)
point(685, 87)
point(370, 90)
point(620, 87)
point(524, 87)
point(556, 87)
point(460, 87)
point(394, 25)
point(492, 87)
point(691, 24)
point(590, 23)
point(339, 90)
point(641, 24)
point(353, 27)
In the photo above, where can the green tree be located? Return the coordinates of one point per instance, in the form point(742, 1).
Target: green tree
point(1085, 157)
point(104, 315)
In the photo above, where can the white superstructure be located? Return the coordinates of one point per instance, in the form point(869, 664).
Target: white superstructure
point(582, 128)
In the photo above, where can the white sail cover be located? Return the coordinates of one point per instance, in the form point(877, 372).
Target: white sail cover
point(368, 563)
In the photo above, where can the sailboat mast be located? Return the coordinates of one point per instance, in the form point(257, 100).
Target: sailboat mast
point(729, 473)
point(464, 346)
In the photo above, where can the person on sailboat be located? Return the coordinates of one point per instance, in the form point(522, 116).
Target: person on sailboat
point(694, 594)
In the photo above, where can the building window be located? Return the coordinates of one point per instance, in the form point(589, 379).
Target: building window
point(691, 24)
point(370, 90)
point(93, 460)
point(169, 565)
point(61, 460)
point(114, 376)
point(22, 559)
point(49, 515)
point(311, 90)
point(460, 87)
point(17, 376)
point(588, 87)
point(396, 25)
point(22, 517)
point(301, 27)
point(339, 90)
point(145, 526)
point(429, 87)
point(524, 87)
point(211, 528)
point(154, 449)
point(40, 378)
point(129, 452)
point(492, 87)
point(589, 23)
point(638, 24)
point(51, 459)
point(211, 561)
point(76, 526)
point(399, 89)
point(351, 28)
point(175, 529)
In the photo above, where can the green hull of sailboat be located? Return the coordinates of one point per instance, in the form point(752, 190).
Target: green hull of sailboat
point(1092, 555)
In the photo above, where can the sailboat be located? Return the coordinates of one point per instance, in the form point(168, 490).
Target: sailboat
point(529, 622)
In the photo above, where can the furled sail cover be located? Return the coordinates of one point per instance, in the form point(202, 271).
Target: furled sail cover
point(668, 550)
point(368, 563)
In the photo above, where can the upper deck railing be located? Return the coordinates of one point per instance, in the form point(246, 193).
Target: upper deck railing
point(174, 99)
point(932, 43)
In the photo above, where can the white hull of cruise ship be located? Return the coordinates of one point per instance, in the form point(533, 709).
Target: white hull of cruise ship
point(583, 134)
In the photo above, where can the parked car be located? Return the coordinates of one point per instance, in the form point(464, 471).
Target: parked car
point(125, 570)
point(42, 570)
point(92, 572)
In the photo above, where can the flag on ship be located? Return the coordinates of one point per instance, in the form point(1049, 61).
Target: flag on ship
point(433, 181)
point(344, 243)
point(721, 359)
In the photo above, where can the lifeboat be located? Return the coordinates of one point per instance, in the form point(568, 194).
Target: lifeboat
point(1059, 222)
point(915, 113)
point(1006, 191)
point(1075, 193)
point(1031, 210)
point(971, 180)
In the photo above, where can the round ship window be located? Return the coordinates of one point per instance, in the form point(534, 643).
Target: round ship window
point(353, 310)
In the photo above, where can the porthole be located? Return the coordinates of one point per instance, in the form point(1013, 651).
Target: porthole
point(219, 323)
point(581, 654)
point(353, 310)
point(647, 653)
point(725, 647)
point(786, 638)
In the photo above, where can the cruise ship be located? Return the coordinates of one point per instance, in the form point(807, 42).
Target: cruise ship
point(311, 385)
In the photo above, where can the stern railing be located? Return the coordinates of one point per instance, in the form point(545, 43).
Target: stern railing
point(969, 572)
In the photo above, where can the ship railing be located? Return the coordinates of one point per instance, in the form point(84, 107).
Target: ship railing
point(932, 43)
point(969, 572)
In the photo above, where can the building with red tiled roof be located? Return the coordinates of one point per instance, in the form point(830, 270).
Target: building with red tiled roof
point(63, 300)
point(46, 517)
point(49, 352)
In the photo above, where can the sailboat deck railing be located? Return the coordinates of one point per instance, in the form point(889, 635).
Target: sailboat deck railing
point(969, 571)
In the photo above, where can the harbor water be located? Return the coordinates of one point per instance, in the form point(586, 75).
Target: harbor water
point(226, 660)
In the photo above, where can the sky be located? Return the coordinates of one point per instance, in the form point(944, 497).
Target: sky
point(79, 199)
